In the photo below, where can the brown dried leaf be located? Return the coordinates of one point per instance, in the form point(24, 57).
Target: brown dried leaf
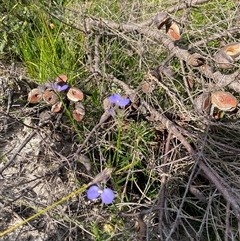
point(198, 194)
point(148, 87)
point(141, 228)
point(190, 81)
point(196, 60)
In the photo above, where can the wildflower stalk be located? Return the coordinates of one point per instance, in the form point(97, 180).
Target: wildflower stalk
point(43, 211)
point(104, 174)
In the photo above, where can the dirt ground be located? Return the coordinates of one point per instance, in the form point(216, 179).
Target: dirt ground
point(34, 170)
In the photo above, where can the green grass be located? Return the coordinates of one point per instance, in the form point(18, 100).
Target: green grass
point(47, 51)
point(43, 43)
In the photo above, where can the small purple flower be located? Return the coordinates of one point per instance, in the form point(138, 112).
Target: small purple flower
point(119, 100)
point(59, 87)
point(107, 194)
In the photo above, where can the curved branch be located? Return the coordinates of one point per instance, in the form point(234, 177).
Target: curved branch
point(221, 80)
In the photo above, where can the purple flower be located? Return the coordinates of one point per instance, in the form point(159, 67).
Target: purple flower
point(106, 194)
point(118, 100)
point(59, 87)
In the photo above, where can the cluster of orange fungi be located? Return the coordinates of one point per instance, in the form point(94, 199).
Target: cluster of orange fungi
point(55, 93)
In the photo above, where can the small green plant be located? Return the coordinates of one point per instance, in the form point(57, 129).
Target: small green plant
point(47, 51)
point(42, 42)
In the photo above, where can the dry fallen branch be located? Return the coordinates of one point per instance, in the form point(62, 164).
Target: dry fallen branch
point(210, 174)
point(190, 59)
point(221, 80)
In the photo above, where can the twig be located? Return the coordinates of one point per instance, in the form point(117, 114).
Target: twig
point(161, 196)
point(103, 119)
point(197, 159)
point(89, 52)
point(10, 100)
point(24, 143)
point(186, 5)
point(186, 82)
point(213, 37)
point(96, 54)
point(227, 222)
point(209, 173)
point(17, 120)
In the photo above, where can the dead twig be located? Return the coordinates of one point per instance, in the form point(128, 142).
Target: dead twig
point(186, 82)
point(97, 54)
point(227, 230)
point(103, 119)
point(197, 159)
point(24, 143)
point(185, 5)
point(222, 80)
point(162, 192)
point(213, 37)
